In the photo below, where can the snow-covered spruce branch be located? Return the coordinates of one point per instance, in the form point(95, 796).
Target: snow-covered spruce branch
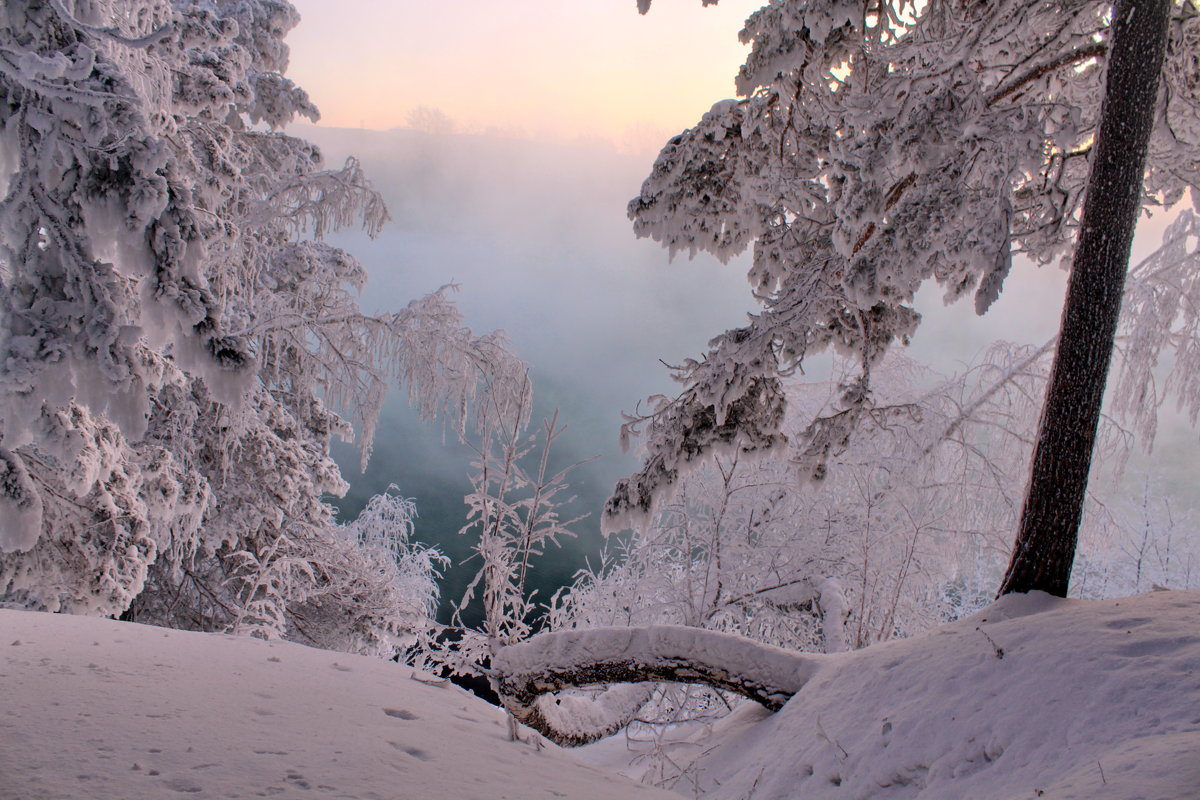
point(550, 662)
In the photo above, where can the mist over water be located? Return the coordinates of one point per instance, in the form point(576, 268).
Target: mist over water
point(536, 238)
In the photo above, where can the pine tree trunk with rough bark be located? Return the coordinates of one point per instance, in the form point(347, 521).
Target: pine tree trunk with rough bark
point(1045, 546)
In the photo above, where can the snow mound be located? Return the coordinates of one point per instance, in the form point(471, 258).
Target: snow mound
point(1033, 697)
point(107, 710)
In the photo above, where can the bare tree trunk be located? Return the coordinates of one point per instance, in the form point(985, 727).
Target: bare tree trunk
point(1045, 546)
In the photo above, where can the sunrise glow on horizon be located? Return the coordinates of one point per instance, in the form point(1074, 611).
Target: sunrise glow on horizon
point(542, 69)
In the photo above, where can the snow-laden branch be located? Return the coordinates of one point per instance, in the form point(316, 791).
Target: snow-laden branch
point(874, 148)
point(550, 662)
point(112, 32)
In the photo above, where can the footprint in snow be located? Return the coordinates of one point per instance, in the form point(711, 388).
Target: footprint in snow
point(400, 713)
point(296, 779)
point(415, 752)
point(183, 786)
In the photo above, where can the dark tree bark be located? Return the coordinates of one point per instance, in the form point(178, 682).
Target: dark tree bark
point(1048, 531)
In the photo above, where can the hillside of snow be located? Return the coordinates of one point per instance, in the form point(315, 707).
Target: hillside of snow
point(1033, 697)
point(94, 709)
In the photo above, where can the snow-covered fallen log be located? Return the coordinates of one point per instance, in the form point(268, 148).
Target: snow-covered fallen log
point(526, 672)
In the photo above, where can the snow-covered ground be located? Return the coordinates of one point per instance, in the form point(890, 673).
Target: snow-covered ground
point(92, 709)
point(1032, 698)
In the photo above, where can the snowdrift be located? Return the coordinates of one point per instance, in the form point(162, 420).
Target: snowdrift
point(1034, 697)
point(99, 710)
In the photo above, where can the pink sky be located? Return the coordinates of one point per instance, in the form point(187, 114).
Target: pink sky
point(554, 69)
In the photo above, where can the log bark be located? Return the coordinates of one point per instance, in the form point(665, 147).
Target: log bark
point(1045, 547)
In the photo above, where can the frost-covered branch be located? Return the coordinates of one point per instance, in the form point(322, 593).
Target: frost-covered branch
point(111, 32)
point(515, 511)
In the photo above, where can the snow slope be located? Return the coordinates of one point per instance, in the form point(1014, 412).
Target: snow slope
point(1033, 697)
point(92, 709)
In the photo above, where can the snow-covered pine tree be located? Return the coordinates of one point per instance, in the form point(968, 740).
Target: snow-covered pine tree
point(876, 146)
point(177, 356)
